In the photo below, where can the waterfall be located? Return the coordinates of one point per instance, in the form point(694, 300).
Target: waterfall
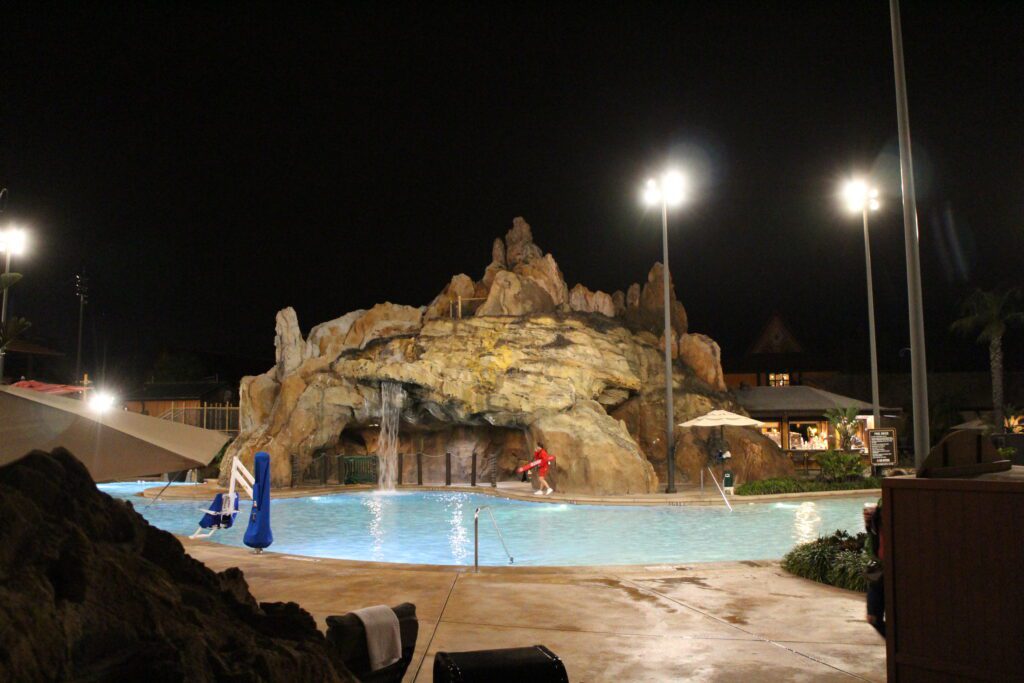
point(391, 399)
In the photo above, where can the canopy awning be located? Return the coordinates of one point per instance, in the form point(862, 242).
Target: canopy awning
point(113, 445)
point(58, 389)
point(722, 418)
point(800, 400)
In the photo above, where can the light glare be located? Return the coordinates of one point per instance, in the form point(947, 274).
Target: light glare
point(671, 190)
point(675, 188)
point(101, 401)
point(13, 240)
point(652, 193)
point(858, 195)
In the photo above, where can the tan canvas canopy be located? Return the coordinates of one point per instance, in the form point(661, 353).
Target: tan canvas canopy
point(721, 418)
point(113, 445)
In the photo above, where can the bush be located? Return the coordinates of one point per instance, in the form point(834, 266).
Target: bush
point(839, 465)
point(837, 560)
point(766, 487)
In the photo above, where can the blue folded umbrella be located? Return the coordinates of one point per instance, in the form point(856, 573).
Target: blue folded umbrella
point(258, 534)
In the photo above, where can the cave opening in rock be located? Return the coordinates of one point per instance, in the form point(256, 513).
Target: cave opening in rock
point(420, 451)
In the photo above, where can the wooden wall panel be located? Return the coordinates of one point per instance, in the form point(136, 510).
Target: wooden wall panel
point(954, 579)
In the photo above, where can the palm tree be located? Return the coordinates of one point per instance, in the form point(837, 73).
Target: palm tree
point(989, 314)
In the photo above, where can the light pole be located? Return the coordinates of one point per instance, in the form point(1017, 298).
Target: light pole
point(862, 198)
point(915, 305)
point(669, 191)
point(12, 241)
point(82, 290)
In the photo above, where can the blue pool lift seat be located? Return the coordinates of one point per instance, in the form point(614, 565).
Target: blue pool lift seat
point(220, 515)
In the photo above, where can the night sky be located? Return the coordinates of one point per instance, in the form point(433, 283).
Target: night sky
point(206, 166)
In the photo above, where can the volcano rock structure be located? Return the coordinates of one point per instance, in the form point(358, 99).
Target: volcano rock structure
point(491, 367)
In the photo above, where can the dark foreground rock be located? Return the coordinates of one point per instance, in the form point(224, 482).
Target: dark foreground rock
point(90, 591)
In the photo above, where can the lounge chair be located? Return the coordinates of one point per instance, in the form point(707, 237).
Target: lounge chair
point(348, 636)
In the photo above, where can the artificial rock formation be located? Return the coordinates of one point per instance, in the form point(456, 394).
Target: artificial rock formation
point(702, 354)
point(580, 371)
point(89, 591)
point(583, 300)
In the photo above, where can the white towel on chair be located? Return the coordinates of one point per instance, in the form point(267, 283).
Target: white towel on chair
point(383, 638)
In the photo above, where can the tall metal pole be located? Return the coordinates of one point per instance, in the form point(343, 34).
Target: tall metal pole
point(918, 367)
point(78, 354)
point(669, 413)
point(3, 306)
point(81, 285)
point(876, 411)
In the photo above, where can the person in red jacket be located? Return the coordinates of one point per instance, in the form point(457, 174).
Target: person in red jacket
point(542, 470)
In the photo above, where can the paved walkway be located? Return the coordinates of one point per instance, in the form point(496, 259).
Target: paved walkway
point(736, 621)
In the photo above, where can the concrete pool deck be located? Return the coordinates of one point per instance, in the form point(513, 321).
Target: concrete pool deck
point(515, 490)
point(731, 621)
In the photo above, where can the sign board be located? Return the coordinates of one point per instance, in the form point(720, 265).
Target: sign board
point(882, 446)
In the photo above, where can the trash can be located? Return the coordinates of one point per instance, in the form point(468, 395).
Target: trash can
point(727, 479)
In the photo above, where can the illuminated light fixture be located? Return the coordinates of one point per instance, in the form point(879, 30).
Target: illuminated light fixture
point(863, 198)
point(101, 402)
point(13, 241)
point(671, 190)
point(860, 197)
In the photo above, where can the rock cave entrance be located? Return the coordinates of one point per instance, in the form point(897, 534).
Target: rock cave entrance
point(498, 449)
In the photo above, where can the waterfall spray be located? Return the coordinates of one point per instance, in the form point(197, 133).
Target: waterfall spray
point(392, 396)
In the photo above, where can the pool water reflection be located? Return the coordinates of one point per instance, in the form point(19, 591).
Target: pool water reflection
point(437, 528)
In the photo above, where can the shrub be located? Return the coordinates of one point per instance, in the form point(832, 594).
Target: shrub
point(765, 487)
point(839, 465)
point(837, 560)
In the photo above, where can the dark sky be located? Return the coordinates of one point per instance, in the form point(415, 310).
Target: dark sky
point(207, 166)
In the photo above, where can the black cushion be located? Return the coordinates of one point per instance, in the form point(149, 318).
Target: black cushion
point(535, 664)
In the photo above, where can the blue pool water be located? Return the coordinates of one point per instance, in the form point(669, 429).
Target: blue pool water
point(437, 528)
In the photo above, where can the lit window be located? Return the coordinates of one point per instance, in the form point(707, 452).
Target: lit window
point(778, 379)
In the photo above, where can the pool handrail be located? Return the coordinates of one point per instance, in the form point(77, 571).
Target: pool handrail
point(715, 479)
point(476, 537)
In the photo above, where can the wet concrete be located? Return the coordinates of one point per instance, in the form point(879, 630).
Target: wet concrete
point(727, 621)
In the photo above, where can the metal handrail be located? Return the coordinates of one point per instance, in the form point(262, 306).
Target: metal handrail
point(476, 537)
point(715, 479)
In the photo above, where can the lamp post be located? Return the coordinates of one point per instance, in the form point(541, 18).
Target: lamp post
point(82, 291)
point(12, 241)
point(669, 191)
point(915, 305)
point(860, 198)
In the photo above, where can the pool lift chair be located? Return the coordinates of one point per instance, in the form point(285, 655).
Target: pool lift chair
point(223, 509)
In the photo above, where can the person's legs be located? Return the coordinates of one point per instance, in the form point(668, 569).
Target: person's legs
point(876, 605)
point(544, 486)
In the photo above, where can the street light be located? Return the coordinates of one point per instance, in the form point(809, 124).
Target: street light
point(12, 242)
point(671, 190)
point(862, 198)
point(102, 402)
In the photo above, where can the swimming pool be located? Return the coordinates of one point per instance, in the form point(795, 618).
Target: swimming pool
point(432, 527)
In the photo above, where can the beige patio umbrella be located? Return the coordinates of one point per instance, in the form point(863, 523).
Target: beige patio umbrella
point(722, 418)
point(112, 445)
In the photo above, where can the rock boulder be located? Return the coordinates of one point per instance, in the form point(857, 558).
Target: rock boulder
point(703, 355)
point(594, 452)
point(89, 591)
